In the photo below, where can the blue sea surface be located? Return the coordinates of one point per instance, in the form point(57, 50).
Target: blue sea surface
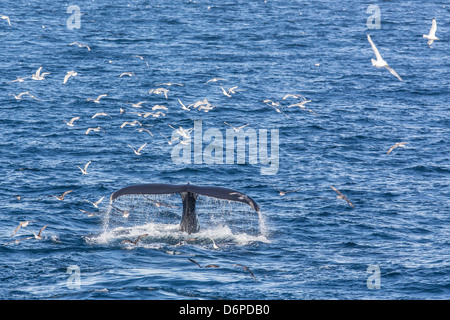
point(307, 244)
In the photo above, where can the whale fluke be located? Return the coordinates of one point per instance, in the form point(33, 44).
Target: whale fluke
point(188, 193)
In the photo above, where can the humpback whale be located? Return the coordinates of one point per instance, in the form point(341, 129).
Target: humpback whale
point(188, 192)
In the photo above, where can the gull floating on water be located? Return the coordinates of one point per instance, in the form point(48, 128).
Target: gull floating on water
point(84, 171)
point(432, 34)
point(398, 144)
point(380, 63)
point(68, 75)
point(6, 18)
point(138, 151)
point(97, 100)
point(80, 45)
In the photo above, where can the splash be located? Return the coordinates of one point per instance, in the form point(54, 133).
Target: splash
point(159, 216)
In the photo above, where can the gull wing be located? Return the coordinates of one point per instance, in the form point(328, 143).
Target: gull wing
point(374, 48)
point(392, 71)
point(433, 28)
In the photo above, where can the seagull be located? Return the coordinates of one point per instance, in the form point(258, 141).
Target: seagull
point(80, 45)
point(19, 79)
point(38, 236)
point(135, 122)
point(130, 74)
point(301, 106)
point(215, 246)
point(159, 107)
point(125, 213)
point(146, 130)
point(92, 129)
point(19, 96)
point(236, 129)
point(282, 193)
point(170, 141)
point(61, 197)
point(183, 106)
point(70, 123)
point(185, 133)
point(84, 171)
point(191, 260)
point(90, 214)
point(135, 241)
point(95, 204)
point(341, 196)
point(98, 114)
point(159, 91)
point(215, 79)
point(296, 96)
point(432, 34)
point(38, 75)
point(380, 63)
point(22, 224)
point(208, 266)
point(398, 144)
point(138, 152)
point(274, 105)
point(155, 115)
point(142, 58)
point(97, 100)
point(137, 105)
point(170, 84)
point(225, 92)
point(68, 75)
point(246, 269)
point(6, 18)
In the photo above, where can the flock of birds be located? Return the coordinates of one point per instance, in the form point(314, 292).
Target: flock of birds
point(160, 110)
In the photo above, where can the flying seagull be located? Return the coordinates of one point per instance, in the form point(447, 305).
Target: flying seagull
point(70, 123)
point(432, 34)
point(80, 45)
point(6, 18)
point(341, 196)
point(398, 144)
point(236, 129)
point(38, 76)
point(68, 75)
point(96, 203)
point(138, 151)
point(380, 63)
point(135, 241)
point(97, 100)
point(84, 171)
point(125, 213)
point(246, 269)
point(22, 224)
point(92, 129)
point(61, 197)
point(282, 193)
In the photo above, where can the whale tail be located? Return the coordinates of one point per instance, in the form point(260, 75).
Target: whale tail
point(189, 193)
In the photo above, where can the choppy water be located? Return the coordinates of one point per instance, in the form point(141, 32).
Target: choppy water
point(308, 244)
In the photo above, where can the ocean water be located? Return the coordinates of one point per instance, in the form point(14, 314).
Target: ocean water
point(307, 244)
